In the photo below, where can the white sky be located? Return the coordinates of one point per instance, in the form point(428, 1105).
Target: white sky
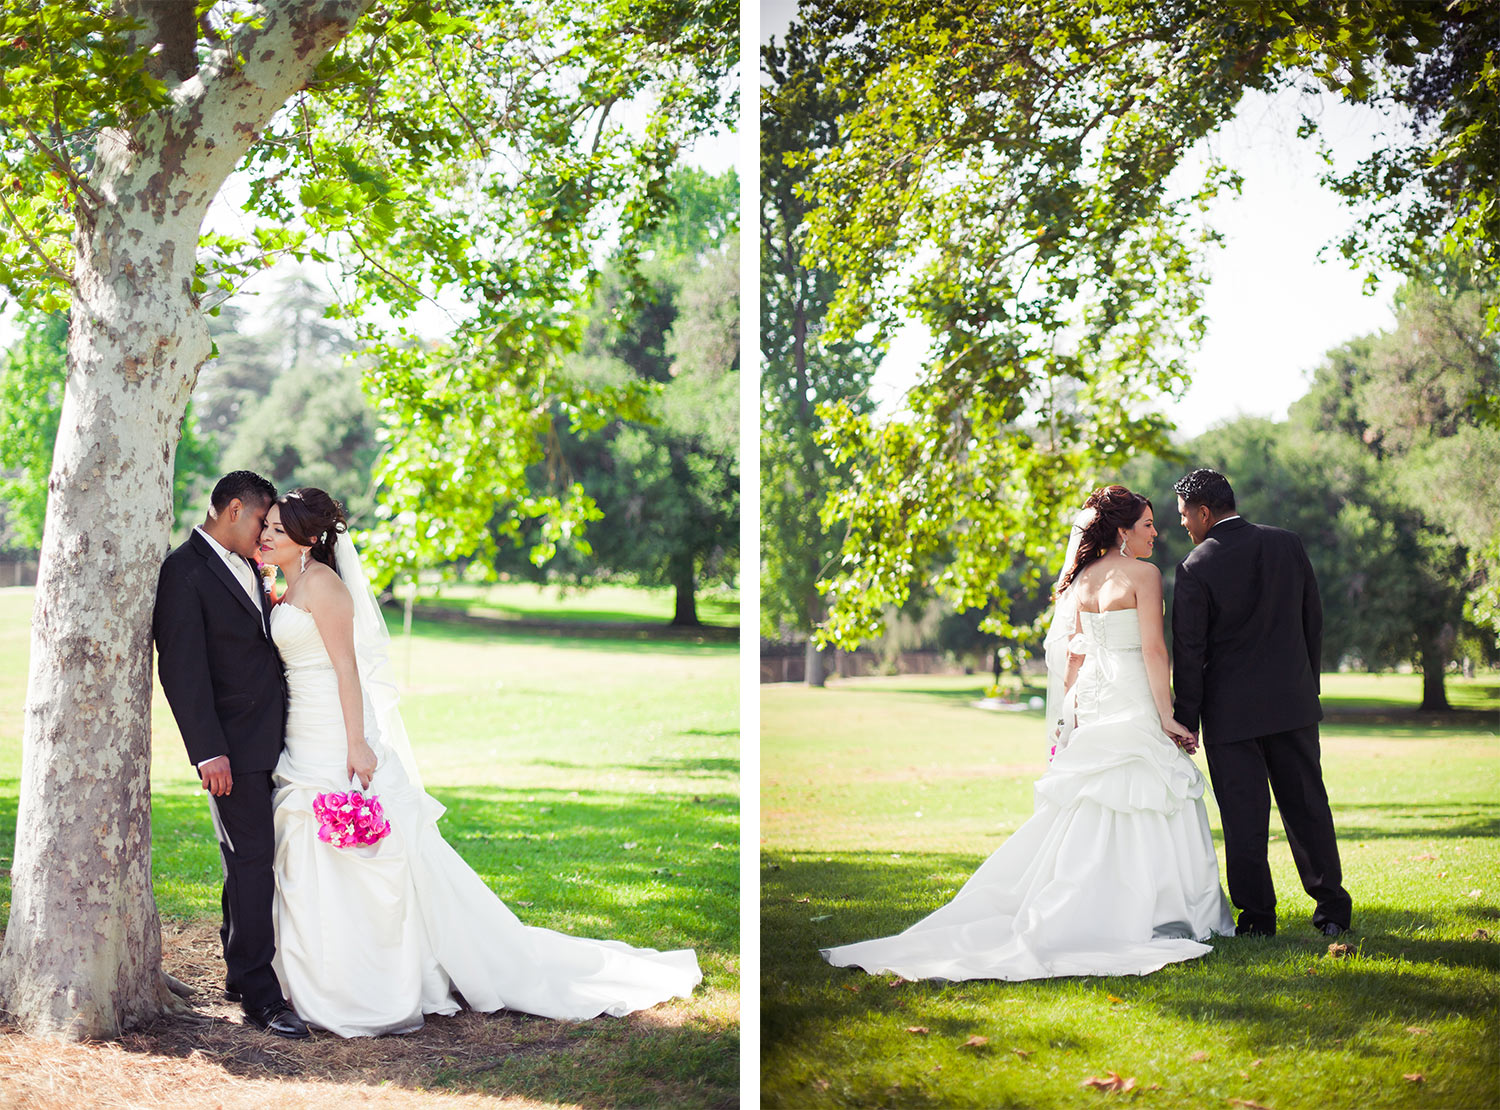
point(1273, 308)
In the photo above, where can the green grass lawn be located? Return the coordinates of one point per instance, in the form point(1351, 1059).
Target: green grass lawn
point(609, 603)
point(881, 796)
point(593, 783)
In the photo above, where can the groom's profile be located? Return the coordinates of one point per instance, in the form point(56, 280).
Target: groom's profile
point(223, 679)
point(1247, 636)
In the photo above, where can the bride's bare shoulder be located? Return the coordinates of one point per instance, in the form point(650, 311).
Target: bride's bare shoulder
point(322, 583)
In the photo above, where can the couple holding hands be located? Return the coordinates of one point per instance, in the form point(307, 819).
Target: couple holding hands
point(1115, 872)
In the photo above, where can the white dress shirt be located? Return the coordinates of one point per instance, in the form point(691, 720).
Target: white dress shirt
point(238, 567)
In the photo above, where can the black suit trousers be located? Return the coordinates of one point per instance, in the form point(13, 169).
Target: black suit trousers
point(247, 844)
point(1290, 762)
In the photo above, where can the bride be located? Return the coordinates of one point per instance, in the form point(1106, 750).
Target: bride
point(1114, 873)
point(371, 937)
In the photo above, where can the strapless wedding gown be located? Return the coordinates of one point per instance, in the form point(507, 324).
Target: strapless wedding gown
point(1113, 874)
point(371, 938)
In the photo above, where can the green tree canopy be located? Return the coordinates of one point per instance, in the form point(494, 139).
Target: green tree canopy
point(1005, 177)
point(666, 479)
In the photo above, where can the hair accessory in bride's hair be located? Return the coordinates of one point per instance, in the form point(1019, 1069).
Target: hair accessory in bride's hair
point(346, 818)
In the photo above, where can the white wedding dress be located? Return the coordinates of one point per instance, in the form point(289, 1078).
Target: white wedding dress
point(1113, 874)
point(372, 937)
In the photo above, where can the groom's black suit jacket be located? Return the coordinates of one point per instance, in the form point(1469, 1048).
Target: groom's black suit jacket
point(1247, 634)
point(218, 666)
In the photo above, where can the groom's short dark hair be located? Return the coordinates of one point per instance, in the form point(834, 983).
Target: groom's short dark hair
point(247, 485)
point(1208, 488)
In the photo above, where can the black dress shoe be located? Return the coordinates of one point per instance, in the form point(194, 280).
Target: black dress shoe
point(1334, 929)
point(279, 1019)
point(1253, 931)
point(232, 992)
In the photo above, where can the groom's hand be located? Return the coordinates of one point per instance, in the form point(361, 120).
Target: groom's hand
point(216, 776)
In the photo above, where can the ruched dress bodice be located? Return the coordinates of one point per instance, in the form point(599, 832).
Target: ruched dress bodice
point(370, 938)
point(315, 716)
point(1114, 873)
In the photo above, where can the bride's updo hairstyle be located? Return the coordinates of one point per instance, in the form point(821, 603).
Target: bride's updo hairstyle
point(1114, 507)
point(313, 519)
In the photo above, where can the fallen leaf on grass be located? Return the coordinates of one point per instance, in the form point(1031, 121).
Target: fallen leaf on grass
point(1310, 971)
point(975, 1041)
point(1475, 893)
point(804, 900)
point(1022, 1052)
point(1114, 999)
point(921, 1030)
point(1339, 951)
point(1114, 1082)
point(1246, 1104)
point(1417, 1030)
point(897, 981)
point(821, 917)
point(1415, 1077)
point(852, 988)
point(1255, 1063)
point(1480, 934)
point(1423, 855)
point(821, 1084)
point(1198, 1057)
point(629, 844)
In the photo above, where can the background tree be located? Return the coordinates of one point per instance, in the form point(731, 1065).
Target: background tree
point(467, 146)
point(315, 427)
point(666, 479)
point(1003, 179)
point(800, 369)
point(1384, 469)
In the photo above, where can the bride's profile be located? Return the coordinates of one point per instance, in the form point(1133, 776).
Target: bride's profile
point(1115, 872)
point(372, 936)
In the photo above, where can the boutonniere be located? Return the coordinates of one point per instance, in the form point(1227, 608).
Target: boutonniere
point(268, 580)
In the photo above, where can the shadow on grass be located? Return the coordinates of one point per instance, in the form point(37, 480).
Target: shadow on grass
point(660, 870)
point(654, 641)
point(1261, 988)
point(1442, 822)
point(707, 767)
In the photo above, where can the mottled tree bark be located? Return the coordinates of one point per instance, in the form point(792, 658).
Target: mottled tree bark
point(82, 953)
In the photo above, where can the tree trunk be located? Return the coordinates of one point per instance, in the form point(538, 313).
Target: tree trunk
point(1434, 695)
point(82, 952)
point(814, 673)
point(685, 608)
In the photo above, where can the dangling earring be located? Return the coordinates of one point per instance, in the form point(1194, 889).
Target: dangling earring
point(302, 563)
point(1123, 550)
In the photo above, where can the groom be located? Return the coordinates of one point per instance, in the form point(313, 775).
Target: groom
point(1247, 635)
point(222, 677)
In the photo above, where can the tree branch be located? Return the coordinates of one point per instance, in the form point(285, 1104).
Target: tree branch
point(36, 248)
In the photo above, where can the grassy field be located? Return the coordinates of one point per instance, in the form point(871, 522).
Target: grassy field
point(880, 797)
point(593, 783)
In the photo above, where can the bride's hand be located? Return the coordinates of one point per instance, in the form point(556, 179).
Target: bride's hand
point(361, 763)
point(1181, 735)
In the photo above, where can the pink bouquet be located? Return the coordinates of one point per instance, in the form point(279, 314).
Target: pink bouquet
point(350, 817)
